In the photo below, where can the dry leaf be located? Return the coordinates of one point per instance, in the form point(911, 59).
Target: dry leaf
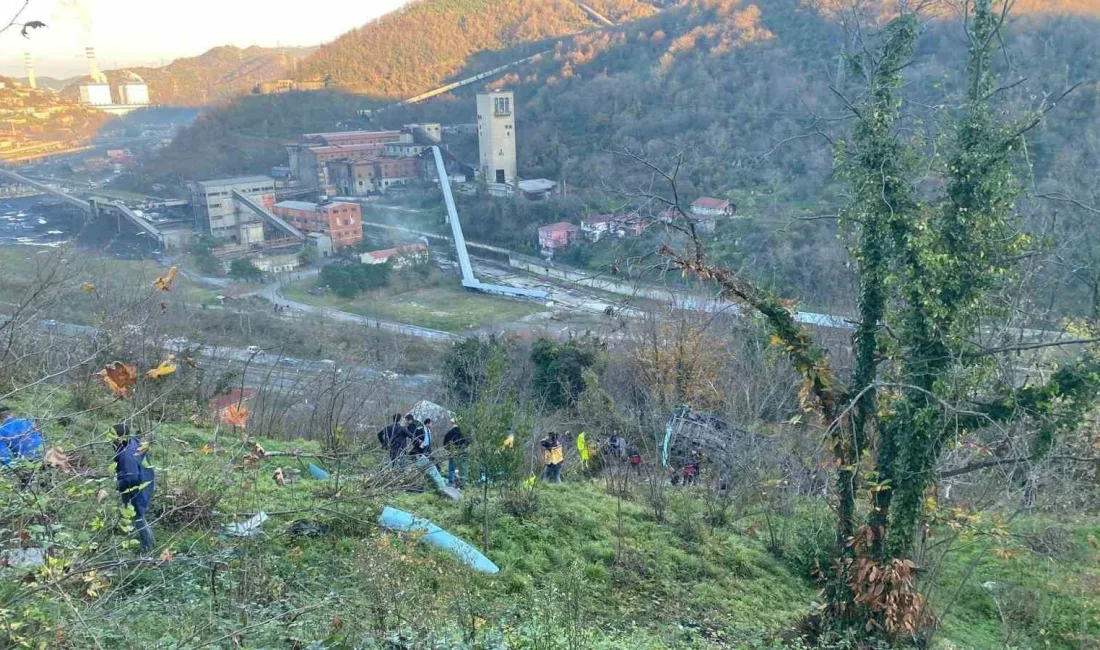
point(119, 377)
point(163, 370)
point(280, 480)
point(100, 496)
point(165, 283)
point(337, 622)
point(235, 415)
point(87, 287)
point(167, 555)
point(191, 362)
point(57, 459)
point(258, 451)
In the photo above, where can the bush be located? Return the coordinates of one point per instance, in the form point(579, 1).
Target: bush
point(350, 280)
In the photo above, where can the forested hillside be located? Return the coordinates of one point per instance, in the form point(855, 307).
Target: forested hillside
point(219, 74)
point(411, 50)
point(746, 92)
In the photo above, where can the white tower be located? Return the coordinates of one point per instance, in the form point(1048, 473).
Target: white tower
point(96, 92)
point(496, 135)
point(30, 71)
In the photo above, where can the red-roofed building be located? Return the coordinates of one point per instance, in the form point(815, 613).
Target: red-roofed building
point(400, 256)
point(355, 137)
point(557, 236)
point(710, 207)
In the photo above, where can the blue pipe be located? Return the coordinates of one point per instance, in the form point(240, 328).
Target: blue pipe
point(404, 522)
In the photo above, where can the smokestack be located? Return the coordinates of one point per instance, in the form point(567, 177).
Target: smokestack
point(30, 71)
point(93, 67)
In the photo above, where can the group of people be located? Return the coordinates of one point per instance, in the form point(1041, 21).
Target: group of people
point(611, 450)
point(410, 438)
point(22, 449)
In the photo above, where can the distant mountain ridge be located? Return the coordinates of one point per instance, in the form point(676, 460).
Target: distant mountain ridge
point(428, 41)
point(217, 75)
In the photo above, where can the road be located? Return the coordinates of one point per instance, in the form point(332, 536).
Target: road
point(282, 372)
point(273, 293)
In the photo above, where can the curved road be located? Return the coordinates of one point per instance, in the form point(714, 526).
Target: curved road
point(273, 293)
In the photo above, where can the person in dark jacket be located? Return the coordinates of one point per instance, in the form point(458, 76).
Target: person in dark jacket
point(421, 443)
point(457, 447)
point(135, 481)
point(393, 439)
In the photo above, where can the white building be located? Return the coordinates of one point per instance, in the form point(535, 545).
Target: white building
point(94, 94)
point(496, 134)
point(217, 213)
point(432, 130)
point(133, 93)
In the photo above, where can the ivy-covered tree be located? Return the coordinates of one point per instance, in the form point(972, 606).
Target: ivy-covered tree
point(931, 273)
point(560, 367)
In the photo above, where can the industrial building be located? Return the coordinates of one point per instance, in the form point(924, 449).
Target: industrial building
point(368, 175)
point(496, 134)
point(356, 163)
point(431, 130)
point(217, 213)
point(97, 92)
point(342, 222)
point(132, 94)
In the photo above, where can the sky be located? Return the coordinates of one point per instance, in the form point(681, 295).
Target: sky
point(149, 32)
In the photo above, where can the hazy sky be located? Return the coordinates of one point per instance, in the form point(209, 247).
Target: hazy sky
point(133, 32)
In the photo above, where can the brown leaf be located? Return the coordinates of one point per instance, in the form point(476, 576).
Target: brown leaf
point(100, 496)
point(167, 556)
point(191, 362)
point(280, 480)
point(87, 287)
point(119, 377)
point(57, 459)
point(258, 451)
point(163, 370)
point(165, 283)
point(235, 415)
point(337, 622)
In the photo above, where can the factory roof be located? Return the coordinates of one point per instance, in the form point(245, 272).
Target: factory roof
point(710, 203)
point(344, 135)
point(243, 180)
point(537, 185)
point(346, 148)
point(297, 205)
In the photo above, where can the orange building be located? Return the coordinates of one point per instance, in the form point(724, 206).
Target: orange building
point(343, 222)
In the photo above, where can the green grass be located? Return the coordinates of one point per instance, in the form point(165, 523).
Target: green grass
point(677, 584)
point(445, 306)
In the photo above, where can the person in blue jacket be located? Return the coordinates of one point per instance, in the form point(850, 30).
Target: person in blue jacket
point(20, 440)
point(135, 481)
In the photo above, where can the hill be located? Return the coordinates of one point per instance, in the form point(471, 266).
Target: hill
point(425, 43)
point(580, 568)
point(745, 93)
point(217, 75)
point(33, 122)
point(50, 83)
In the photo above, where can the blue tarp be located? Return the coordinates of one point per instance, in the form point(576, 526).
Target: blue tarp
point(405, 522)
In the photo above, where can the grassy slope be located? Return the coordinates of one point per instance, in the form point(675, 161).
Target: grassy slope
point(673, 585)
point(445, 306)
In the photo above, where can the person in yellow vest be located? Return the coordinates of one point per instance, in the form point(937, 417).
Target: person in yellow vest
point(582, 449)
point(552, 457)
